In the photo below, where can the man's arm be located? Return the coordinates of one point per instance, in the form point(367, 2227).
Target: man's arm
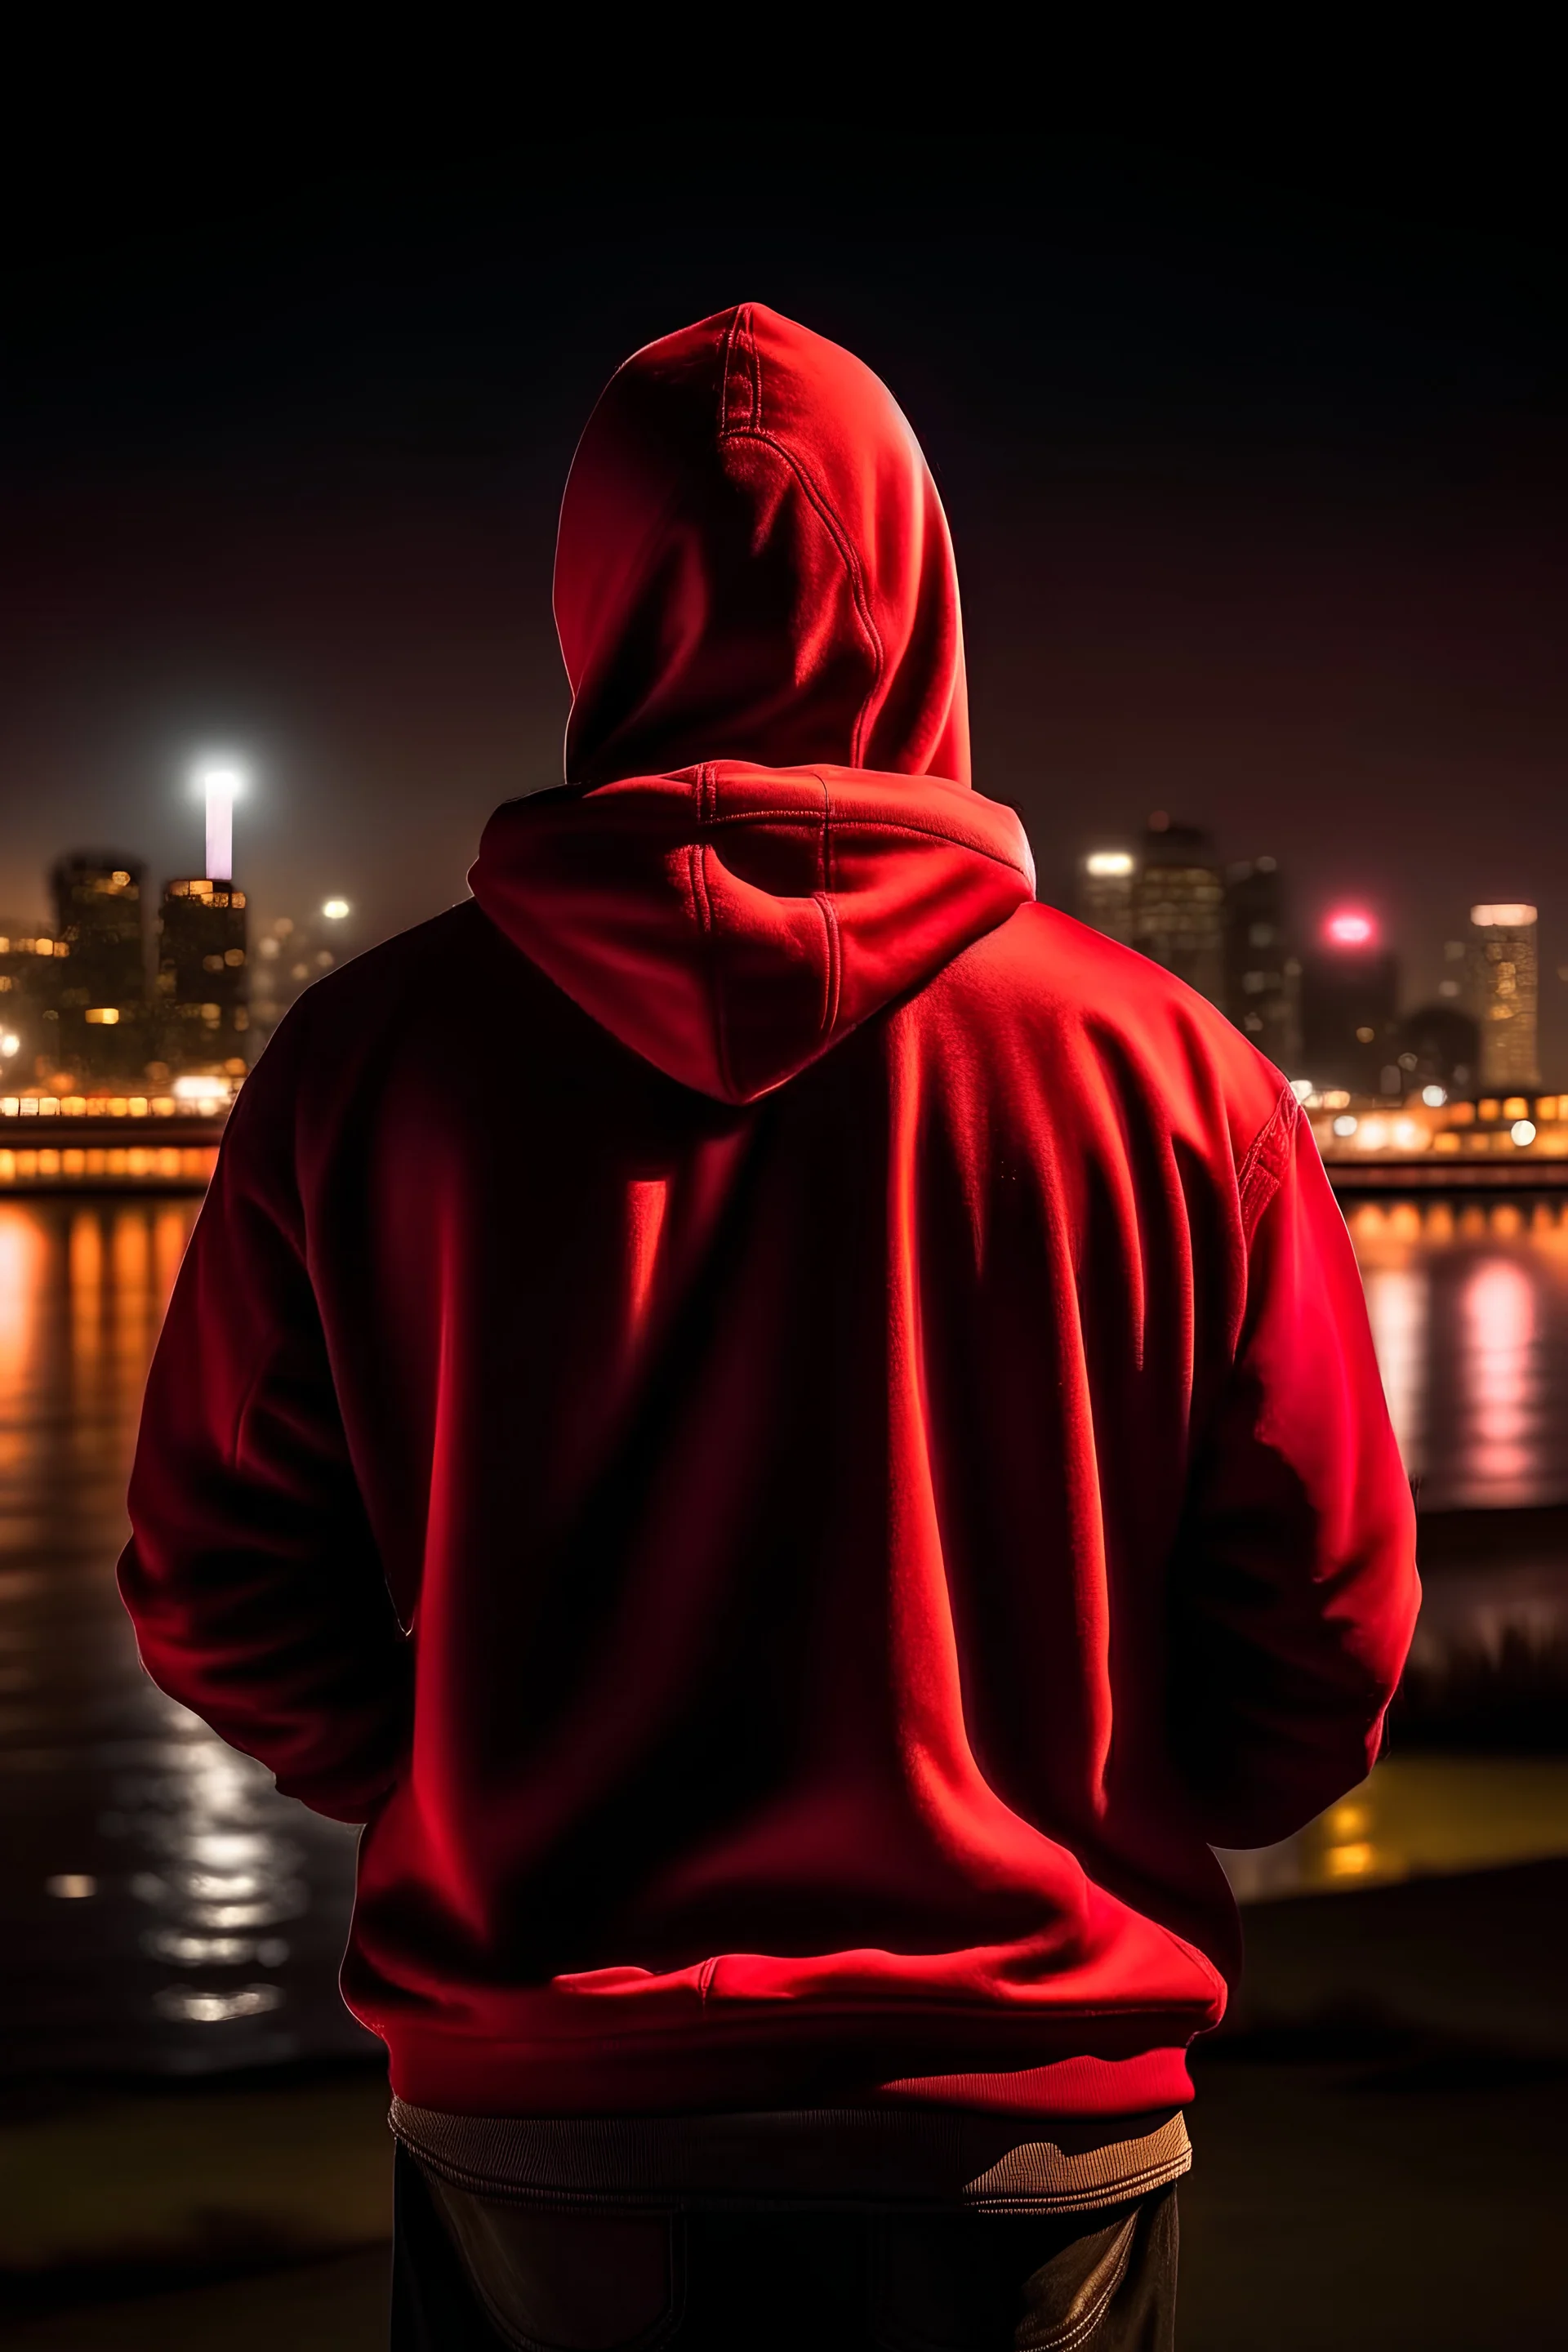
point(1295, 1592)
point(251, 1574)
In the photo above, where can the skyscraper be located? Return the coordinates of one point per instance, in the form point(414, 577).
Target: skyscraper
point(30, 958)
point(1349, 989)
point(1105, 883)
point(1508, 994)
point(1262, 982)
point(101, 999)
point(1178, 905)
point(203, 984)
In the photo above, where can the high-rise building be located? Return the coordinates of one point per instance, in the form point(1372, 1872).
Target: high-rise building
point(1105, 880)
point(1262, 981)
point(1508, 996)
point(101, 1001)
point(32, 964)
point(203, 983)
point(1350, 1029)
point(1178, 905)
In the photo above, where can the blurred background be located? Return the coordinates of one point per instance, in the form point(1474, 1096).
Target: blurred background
point(1253, 446)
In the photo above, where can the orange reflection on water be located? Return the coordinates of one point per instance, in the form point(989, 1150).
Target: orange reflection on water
point(23, 1259)
point(1500, 1315)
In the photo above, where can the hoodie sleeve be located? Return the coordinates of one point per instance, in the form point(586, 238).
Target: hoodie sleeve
point(251, 1575)
point(1296, 1590)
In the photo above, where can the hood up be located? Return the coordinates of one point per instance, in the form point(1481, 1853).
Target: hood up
point(768, 831)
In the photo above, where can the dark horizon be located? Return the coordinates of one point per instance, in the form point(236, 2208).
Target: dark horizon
point(1255, 469)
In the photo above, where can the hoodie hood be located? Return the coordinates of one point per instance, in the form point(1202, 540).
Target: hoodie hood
point(768, 832)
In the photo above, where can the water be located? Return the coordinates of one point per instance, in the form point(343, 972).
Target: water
point(163, 1907)
point(161, 1904)
point(1470, 1309)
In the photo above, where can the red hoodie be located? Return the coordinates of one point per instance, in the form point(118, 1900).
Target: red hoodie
point(856, 1387)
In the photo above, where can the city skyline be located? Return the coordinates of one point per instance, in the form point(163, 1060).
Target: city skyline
point(1258, 505)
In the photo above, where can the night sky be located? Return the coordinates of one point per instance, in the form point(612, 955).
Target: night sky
point(1255, 458)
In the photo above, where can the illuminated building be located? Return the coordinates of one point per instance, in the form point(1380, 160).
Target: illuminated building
point(100, 999)
point(32, 971)
point(1178, 905)
point(203, 984)
point(290, 955)
point(1350, 988)
point(1508, 993)
point(1105, 880)
point(1261, 981)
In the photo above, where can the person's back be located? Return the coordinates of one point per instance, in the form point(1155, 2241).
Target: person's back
point(857, 1391)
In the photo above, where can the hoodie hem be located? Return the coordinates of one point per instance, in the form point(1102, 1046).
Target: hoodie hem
point(672, 2075)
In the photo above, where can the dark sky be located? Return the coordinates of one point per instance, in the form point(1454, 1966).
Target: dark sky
point(1255, 455)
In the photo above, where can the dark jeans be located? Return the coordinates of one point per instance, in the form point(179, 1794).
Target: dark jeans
point(1103, 2281)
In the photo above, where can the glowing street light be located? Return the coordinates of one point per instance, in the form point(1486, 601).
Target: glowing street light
point(334, 909)
point(1350, 928)
point(220, 783)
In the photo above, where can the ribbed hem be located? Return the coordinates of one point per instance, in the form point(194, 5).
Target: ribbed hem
point(835, 2157)
point(668, 2073)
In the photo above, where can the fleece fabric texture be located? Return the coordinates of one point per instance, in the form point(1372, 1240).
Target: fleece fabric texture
point(794, 1432)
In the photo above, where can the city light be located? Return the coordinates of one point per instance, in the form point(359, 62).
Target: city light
point(334, 909)
point(1350, 928)
point(1345, 1124)
point(220, 783)
point(10, 1043)
point(210, 1093)
point(1522, 1132)
point(1501, 918)
point(1434, 1096)
point(1105, 862)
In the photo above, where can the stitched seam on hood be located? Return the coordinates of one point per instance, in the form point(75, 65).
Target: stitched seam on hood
point(827, 515)
point(740, 333)
point(830, 924)
point(872, 824)
point(697, 866)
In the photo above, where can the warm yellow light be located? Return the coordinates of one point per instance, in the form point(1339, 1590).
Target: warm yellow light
point(1350, 1861)
point(1098, 862)
point(105, 1015)
point(1509, 917)
point(335, 910)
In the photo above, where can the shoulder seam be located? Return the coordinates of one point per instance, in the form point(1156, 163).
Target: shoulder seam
point(1266, 1159)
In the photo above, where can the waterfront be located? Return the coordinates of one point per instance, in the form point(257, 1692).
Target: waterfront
point(166, 1909)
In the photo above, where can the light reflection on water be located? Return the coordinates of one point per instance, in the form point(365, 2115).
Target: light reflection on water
point(1470, 1311)
point(1418, 1816)
point(165, 1906)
